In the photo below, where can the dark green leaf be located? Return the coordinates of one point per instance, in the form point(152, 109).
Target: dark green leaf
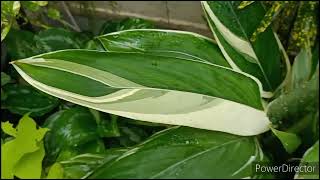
point(5, 78)
point(23, 99)
point(21, 44)
point(72, 131)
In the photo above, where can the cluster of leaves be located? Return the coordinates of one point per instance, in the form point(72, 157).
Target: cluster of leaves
point(78, 142)
point(296, 22)
point(78, 138)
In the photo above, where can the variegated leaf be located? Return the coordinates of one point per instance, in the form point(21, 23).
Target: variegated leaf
point(232, 28)
point(172, 43)
point(151, 88)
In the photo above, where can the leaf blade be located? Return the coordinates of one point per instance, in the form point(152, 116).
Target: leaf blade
point(130, 85)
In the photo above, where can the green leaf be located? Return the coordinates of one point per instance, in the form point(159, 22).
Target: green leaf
point(55, 172)
point(129, 23)
point(169, 43)
point(70, 129)
point(315, 58)
point(310, 156)
point(182, 152)
point(24, 152)
point(56, 39)
point(33, 5)
point(20, 44)
point(5, 79)
point(137, 85)
point(83, 165)
point(296, 103)
point(232, 28)
point(30, 165)
point(290, 141)
point(9, 10)
point(301, 69)
point(23, 99)
point(54, 14)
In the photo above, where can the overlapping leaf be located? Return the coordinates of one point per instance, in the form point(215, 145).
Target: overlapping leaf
point(152, 88)
point(233, 27)
point(186, 153)
point(170, 43)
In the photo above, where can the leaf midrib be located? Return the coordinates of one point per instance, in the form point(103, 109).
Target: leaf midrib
point(248, 40)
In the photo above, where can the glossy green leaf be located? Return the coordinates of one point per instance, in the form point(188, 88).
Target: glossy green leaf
point(24, 99)
point(73, 131)
point(170, 43)
point(9, 10)
point(137, 85)
point(55, 172)
point(56, 39)
point(83, 165)
point(232, 28)
point(22, 156)
point(290, 141)
point(310, 156)
point(182, 152)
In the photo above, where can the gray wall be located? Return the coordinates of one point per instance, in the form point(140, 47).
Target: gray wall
point(183, 15)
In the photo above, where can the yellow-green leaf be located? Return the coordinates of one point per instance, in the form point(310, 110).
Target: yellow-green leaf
point(23, 151)
point(55, 172)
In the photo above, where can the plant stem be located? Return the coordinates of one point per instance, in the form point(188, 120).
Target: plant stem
point(76, 27)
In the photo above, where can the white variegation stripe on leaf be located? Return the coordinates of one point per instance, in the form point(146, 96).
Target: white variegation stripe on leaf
point(119, 82)
point(212, 114)
point(82, 70)
point(238, 43)
point(264, 94)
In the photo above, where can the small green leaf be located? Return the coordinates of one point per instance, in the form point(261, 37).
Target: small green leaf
point(310, 156)
point(54, 14)
point(9, 10)
point(55, 172)
point(41, 3)
point(289, 141)
point(5, 79)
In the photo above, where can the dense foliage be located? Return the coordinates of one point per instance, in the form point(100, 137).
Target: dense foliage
point(131, 101)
